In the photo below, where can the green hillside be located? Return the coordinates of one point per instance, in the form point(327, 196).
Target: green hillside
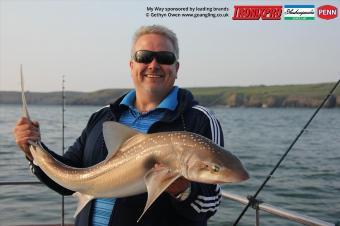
point(251, 96)
point(268, 96)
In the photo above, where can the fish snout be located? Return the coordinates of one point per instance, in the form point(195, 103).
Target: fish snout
point(242, 176)
point(230, 176)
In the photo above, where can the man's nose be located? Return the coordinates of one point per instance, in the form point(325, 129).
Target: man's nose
point(153, 64)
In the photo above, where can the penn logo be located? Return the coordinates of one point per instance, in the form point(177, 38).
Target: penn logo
point(327, 12)
point(257, 12)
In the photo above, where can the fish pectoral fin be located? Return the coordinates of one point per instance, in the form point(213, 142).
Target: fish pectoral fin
point(114, 135)
point(83, 199)
point(157, 180)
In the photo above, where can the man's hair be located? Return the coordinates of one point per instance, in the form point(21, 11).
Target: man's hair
point(159, 30)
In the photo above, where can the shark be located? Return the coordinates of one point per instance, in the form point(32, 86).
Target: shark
point(129, 167)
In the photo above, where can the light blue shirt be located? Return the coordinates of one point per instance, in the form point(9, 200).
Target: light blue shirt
point(142, 122)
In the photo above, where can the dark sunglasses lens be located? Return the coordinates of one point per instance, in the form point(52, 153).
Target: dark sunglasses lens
point(144, 57)
point(162, 57)
point(165, 57)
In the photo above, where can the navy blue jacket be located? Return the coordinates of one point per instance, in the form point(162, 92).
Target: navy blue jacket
point(90, 149)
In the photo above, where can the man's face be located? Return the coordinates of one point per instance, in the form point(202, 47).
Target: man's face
point(154, 78)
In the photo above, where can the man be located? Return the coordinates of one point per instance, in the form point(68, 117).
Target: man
point(155, 105)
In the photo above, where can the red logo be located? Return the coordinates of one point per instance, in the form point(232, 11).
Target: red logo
point(327, 12)
point(257, 12)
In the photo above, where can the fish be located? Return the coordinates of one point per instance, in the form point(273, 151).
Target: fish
point(129, 168)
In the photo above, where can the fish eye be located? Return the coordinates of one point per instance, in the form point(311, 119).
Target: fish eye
point(215, 168)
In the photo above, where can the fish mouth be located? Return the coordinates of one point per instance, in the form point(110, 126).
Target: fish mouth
point(221, 182)
point(234, 178)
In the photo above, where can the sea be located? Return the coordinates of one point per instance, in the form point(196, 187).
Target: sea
point(307, 182)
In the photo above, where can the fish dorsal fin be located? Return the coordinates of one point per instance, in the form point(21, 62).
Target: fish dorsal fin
point(115, 134)
point(157, 180)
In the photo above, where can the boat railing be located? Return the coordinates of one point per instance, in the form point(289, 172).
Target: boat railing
point(258, 206)
point(279, 212)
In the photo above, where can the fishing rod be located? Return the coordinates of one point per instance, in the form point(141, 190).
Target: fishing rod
point(252, 199)
point(63, 144)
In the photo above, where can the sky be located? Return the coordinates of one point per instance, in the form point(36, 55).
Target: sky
point(89, 42)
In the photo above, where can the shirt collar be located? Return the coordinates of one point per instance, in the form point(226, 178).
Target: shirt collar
point(169, 102)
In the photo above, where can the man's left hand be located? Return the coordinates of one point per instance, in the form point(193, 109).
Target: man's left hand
point(178, 186)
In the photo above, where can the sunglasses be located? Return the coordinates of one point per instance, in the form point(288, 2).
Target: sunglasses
point(162, 57)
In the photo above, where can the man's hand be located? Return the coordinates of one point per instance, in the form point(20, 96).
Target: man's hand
point(24, 131)
point(178, 186)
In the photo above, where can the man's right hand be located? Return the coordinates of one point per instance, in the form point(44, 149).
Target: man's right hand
point(24, 131)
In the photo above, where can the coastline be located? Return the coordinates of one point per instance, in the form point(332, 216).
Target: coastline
point(276, 96)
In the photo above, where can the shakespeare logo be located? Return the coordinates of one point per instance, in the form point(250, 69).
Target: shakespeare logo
point(327, 12)
point(299, 12)
point(257, 12)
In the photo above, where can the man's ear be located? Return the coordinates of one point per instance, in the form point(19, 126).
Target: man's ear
point(177, 67)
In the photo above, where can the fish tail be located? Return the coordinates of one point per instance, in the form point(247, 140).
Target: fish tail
point(23, 98)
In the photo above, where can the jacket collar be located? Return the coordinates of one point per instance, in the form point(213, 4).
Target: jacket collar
point(184, 97)
point(170, 102)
